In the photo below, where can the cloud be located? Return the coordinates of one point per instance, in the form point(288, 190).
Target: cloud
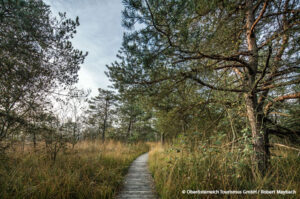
point(100, 33)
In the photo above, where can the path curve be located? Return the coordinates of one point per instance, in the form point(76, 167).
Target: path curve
point(138, 182)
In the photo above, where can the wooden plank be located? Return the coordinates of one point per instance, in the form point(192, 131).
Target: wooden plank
point(138, 182)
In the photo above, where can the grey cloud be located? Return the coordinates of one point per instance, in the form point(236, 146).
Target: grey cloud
point(100, 33)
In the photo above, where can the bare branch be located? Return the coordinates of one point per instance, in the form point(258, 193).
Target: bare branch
point(200, 55)
point(260, 16)
point(156, 26)
point(287, 147)
point(229, 66)
point(190, 76)
point(281, 98)
point(264, 69)
point(296, 81)
point(281, 13)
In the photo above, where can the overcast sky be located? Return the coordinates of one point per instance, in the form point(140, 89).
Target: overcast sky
point(100, 33)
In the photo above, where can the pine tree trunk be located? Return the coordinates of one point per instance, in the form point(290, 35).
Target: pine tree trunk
point(104, 128)
point(129, 129)
point(34, 141)
point(259, 136)
point(105, 121)
point(260, 157)
point(162, 138)
point(103, 131)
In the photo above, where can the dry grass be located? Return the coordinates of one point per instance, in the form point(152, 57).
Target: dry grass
point(91, 170)
point(210, 168)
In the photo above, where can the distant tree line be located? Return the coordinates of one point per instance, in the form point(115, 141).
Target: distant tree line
point(119, 117)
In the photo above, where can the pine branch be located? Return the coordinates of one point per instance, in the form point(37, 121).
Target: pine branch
point(280, 99)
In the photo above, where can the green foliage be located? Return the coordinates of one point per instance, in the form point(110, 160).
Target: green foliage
point(101, 111)
point(36, 56)
point(237, 57)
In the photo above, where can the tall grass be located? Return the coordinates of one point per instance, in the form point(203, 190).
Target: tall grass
point(91, 170)
point(208, 167)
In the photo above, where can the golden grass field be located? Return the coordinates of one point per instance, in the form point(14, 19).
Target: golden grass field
point(90, 170)
point(95, 170)
point(206, 168)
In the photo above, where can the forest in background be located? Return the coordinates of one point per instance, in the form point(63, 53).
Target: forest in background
point(216, 82)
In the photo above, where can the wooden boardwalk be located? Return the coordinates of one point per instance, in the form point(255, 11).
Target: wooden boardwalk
point(138, 182)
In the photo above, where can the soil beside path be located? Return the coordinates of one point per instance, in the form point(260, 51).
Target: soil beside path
point(138, 182)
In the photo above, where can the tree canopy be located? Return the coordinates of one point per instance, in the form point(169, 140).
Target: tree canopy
point(36, 56)
point(247, 49)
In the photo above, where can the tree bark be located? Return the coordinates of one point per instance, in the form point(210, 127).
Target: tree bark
point(103, 131)
point(34, 140)
point(129, 129)
point(260, 155)
point(260, 141)
point(162, 138)
point(74, 134)
point(105, 121)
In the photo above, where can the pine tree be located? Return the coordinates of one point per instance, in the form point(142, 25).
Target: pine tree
point(36, 56)
point(247, 48)
point(101, 109)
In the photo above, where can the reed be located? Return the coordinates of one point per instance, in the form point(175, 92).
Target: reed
point(207, 167)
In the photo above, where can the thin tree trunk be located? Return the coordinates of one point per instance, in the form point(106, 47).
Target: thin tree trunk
point(129, 129)
point(232, 128)
point(105, 120)
point(74, 135)
point(103, 131)
point(162, 138)
point(34, 141)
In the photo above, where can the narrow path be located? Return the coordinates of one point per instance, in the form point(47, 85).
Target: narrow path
point(138, 182)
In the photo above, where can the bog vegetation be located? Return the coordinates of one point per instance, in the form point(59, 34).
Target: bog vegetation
point(89, 170)
point(180, 167)
point(216, 82)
